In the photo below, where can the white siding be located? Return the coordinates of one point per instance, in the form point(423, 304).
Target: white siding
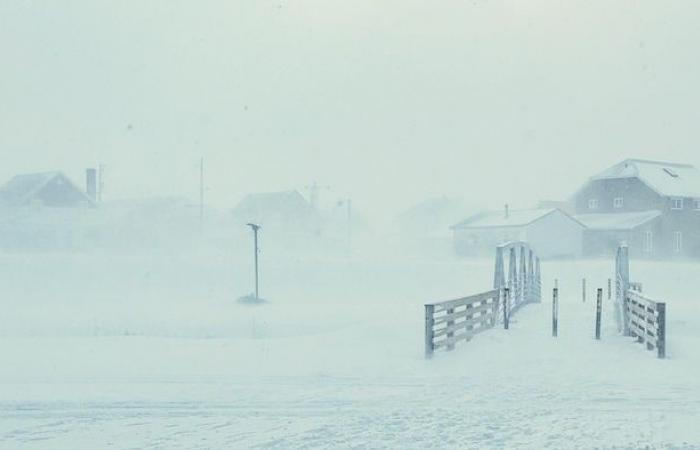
point(556, 235)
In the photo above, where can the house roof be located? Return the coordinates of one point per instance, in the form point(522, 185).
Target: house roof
point(278, 202)
point(515, 218)
point(667, 179)
point(617, 221)
point(21, 188)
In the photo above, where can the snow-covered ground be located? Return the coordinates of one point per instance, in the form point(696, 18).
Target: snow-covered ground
point(120, 351)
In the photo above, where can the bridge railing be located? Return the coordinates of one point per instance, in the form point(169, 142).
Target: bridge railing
point(646, 320)
point(452, 321)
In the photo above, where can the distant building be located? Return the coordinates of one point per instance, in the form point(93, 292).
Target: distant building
point(424, 228)
point(432, 217)
point(287, 211)
point(51, 189)
point(551, 232)
point(653, 206)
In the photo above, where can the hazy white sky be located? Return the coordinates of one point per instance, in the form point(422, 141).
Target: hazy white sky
point(386, 101)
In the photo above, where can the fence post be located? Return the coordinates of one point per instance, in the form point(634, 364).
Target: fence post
point(522, 276)
point(429, 333)
point(506, 304)
point(661, 338)
point(583, 285)
point(623, 276)
point(450, 334)
point(609, 289)
point(555, 312)
point(598, 310)
point(512, 273)
point(531, 280)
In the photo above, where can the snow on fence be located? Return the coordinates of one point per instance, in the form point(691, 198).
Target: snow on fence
point(452, 321)
point(449, 322)
point(636, 315)
point(646, 321)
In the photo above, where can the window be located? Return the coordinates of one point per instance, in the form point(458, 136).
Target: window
point(671, 172)
point(676, 203)
point(677, 242)
point(593, 203)
point(696, 204)
point(648, 242)
point(618, 202)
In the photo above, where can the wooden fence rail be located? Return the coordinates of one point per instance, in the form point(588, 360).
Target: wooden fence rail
point(449, 322)
point(646, 320)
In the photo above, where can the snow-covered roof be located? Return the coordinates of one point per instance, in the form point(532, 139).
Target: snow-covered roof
point(21, 188)
point(514, 218)
point(278, 204)
point(617, 221)
point(667, 179)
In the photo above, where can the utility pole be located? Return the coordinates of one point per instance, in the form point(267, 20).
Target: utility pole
point(255, 229)
point(101, 181)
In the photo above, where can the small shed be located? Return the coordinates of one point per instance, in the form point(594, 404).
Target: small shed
point(551, 232)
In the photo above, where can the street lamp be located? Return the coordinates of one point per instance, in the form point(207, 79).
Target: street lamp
point(255, 229)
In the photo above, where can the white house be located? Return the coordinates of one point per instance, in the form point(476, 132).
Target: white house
point(552, 233)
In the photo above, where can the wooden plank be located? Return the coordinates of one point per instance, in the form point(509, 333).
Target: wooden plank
point(471, 312)
point(441, 306)
point(486, 319)
point(642, 334)
point(634, 295)
point(642, 318)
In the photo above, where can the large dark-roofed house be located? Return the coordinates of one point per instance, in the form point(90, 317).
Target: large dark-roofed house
point(52, 189)
point(653, 206)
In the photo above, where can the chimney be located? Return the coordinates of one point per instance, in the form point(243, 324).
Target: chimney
point(505, 211)
point(91, 183)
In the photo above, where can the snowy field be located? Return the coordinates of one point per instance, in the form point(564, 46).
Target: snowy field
point(119, 351)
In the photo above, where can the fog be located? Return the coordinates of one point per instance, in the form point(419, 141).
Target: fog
point(388, 149)
point(386, 102)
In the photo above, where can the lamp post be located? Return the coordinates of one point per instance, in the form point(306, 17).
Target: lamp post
point(255, 229)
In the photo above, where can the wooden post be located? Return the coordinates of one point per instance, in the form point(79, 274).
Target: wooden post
point(506, 304)
point(661, 338)
point(598, 311)
point(512, 276)
point(555, 312)
point(531, 280)
point(583, 285)
point(609, 289)
point(429, 333)
point(522, 276)
point(450, 334)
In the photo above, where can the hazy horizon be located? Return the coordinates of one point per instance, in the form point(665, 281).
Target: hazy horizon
point(387, 102)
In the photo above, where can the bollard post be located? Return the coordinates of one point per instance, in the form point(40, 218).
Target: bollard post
point(661, 341)
point(429, 323)
point(598, 310)
point(555, 312)
point(583, 285)
point(506, 303)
